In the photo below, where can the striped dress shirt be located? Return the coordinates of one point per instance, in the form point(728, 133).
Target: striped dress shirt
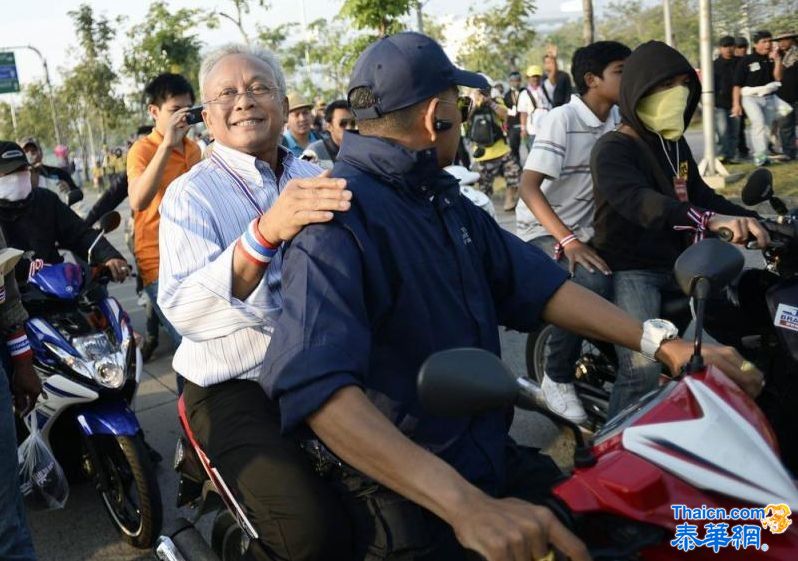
point(203, 214)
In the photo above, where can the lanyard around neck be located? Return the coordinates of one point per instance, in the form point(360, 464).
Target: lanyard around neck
point(240, 183)
point(668, 156)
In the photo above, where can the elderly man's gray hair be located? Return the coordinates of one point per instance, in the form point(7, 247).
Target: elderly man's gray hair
point(211, 58)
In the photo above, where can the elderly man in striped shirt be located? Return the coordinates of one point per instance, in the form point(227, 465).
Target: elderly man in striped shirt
point(223, 226)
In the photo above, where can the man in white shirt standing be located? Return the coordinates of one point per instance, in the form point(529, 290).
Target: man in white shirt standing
point(532, 104)
point(556, 208)
point(223, 225)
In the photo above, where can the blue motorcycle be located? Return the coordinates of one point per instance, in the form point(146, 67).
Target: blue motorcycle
point(86, 354)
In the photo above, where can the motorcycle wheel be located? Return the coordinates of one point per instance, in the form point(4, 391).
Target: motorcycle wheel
point(593, 370)
point(226, 537)
point(133, 497)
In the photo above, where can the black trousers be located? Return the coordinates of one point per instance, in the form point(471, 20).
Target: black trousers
point(514, 141)
point(388, 527)
point(298, 516)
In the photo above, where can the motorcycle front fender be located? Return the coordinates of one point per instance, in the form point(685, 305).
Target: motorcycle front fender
point(112, 418)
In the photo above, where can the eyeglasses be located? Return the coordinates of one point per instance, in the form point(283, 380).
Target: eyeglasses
point(228, 96)
point(347, 124)
point(464, 104)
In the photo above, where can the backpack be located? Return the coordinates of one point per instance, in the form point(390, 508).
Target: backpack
point(483, 129)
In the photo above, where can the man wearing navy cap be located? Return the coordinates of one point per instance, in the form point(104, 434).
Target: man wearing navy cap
point(414, 268)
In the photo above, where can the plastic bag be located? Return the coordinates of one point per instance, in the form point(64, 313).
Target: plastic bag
point(42, 481)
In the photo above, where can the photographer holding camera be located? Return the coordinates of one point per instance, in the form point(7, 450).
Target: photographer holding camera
point(491, 151)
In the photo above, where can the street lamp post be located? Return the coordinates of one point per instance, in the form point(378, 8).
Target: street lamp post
point(666, 14)
point(49, 86)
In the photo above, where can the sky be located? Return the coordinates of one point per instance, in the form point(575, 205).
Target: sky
point(46, 25)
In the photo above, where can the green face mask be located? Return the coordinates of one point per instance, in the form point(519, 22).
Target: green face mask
point(663, 112)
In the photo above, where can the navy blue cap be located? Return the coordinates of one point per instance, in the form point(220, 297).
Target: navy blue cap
point(404, 69)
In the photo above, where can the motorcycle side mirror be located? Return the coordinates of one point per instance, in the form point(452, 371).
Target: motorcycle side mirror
point(758, 188)
point(110, 221)
point(74, 196)
point(460, 382)
point(465, 382)
point(708, 263)
point(712, 259)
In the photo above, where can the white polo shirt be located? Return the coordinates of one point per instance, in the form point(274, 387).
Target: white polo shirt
point(561, 152)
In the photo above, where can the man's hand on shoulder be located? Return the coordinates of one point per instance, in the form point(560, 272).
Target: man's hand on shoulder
point(302, 202)
point(514, 530)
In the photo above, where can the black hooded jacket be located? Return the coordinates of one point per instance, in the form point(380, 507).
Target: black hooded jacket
point(44, 226)
point(640, 222)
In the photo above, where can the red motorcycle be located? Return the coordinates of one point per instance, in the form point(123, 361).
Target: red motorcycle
point(650, 485)
point(671, 476)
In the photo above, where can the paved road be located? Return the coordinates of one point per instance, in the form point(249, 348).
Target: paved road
point(81, 531)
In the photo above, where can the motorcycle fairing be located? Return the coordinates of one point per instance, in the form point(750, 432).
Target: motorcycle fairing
point(116, 316)
point(62, 280)
point(112, 418)
point(705, 451)
point(40, 332)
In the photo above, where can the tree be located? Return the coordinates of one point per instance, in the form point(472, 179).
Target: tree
point(588, 23)
point(498, 35)
point(166, 41)
point(90, 84)
point(382, 16)
point(241, 10)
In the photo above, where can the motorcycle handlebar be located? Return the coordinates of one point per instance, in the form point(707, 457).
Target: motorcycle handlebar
point(786, 232)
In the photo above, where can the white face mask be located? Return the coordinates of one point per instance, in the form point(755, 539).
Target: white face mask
point(15, 186)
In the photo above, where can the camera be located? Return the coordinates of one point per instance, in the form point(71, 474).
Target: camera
point(194, 115)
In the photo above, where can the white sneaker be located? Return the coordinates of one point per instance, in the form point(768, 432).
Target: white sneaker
point(562, 399)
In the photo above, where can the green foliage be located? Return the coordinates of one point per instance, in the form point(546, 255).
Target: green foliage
point(500, 34)
point(381, 16)
point(166, 41)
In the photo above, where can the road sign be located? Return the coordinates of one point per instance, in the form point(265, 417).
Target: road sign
point(9, 80)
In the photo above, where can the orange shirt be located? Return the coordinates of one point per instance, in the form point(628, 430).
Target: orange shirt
point(146, 222)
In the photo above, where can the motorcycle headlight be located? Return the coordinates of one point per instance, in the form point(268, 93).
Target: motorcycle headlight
point(77, 364)
point(109, 373)
point(106, 364)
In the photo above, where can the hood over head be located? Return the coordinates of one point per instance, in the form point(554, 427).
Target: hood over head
point(648, 65)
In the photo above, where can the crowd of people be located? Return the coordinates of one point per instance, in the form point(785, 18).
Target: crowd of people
point(303, 303)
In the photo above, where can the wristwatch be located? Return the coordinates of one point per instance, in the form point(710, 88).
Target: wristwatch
point(655, 331)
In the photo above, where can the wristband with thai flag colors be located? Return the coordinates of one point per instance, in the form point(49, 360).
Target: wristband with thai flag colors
point(559, 247)
point(255, 247)
point(701, 220)
point(18, 345)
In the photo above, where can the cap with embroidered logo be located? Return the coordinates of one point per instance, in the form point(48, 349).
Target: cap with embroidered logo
point(11, 157)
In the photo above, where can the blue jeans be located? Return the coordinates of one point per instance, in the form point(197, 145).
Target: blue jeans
point(563, 348)
point(152, 292)
point(787, 132)
point(761, 112)
point(728, 129)
point(639, 294)
point(15, 539)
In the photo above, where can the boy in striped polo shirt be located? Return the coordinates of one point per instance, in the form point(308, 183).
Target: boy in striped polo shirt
point(556, 208)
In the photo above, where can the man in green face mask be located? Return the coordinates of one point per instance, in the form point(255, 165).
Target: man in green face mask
point(651, 202)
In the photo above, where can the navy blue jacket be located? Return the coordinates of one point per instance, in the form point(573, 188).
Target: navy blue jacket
point(413, 268)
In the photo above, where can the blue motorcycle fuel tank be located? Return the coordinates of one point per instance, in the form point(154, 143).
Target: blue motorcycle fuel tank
point(782, 302)
point(62, 280)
